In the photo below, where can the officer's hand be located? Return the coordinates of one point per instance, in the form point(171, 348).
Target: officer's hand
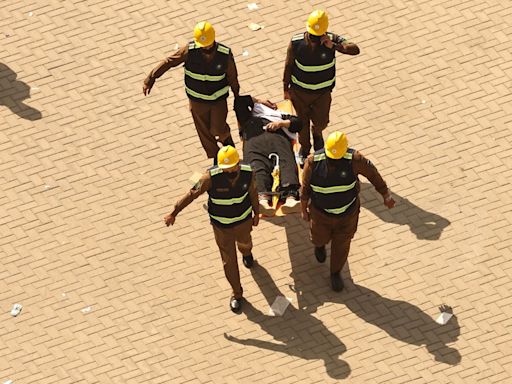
point(169, 219)
point(146, 89)
point(325, 40)
point(286, 95)
point(389, 201)
point(272, 126)
point(255, 220)
point(305, 215)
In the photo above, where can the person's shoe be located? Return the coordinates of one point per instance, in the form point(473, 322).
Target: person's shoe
point(291, 205)
point(248, 261)
point(235, 304)
point(320, 254)
point(336, 282)
point(266, 209)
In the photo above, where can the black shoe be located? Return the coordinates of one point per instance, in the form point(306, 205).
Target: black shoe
point(248, 261)
point(320, 254)
point(336, 282)
point(235, 304)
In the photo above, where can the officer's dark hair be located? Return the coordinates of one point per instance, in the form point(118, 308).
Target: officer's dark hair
point(243, 107)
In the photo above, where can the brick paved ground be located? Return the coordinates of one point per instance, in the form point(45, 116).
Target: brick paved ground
point(89, 166)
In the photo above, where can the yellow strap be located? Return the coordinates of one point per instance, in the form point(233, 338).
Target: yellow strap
point(201, 77)
point(215, 96)
point(313, 86)
point(334, 189)
point(315, 68)
point(232, 201)
point(337, 211)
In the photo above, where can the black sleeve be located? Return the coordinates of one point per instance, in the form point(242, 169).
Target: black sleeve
point(295, 122)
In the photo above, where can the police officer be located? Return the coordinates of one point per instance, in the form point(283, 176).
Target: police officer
point(310, 75)
point(330, 199)
point(233, 209)
point(210, 71)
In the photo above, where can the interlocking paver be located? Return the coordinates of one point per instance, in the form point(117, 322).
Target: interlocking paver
point(89, 166)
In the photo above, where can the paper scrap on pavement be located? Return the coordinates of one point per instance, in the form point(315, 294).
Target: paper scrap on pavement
point(86, 310)
point(16, 309)
point(252, 6)
point(8, 382)
point(444, 317)
point(255, 27)
point(279, 306)
point(245, 52)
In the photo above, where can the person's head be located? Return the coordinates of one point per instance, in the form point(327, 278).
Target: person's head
point(228, 160)
point(204, 35)
point(243, 108)
point(336, 145)
point(317, 24)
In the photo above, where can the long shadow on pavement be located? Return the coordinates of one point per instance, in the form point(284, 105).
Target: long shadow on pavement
point(425, 225)
point(298, 333)
point(13, 92)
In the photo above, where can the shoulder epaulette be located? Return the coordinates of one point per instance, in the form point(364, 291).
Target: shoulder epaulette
point(192, 45)
point(298, 36)
point(215, 170)
point(223, 49)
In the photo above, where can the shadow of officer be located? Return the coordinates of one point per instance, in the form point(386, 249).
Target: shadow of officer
point(399, 319)
point(13, 92)
point(298, 332)
point(425, 225)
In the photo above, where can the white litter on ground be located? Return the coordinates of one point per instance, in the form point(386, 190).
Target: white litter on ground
point(16, 309)
point(444, 317)
point(252, 6)
point(86, 310)
point(245, 52)
point(279, 306)
point(255, 27)
point(8, 382)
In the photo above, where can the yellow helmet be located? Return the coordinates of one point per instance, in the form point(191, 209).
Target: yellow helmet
point(336, 145)
point(317, 22)
point(227, 157)
point(204, 34)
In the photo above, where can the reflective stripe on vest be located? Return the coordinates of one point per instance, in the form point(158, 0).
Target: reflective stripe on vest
point(234, 200)
point(335, 189)
point(340, 210)
point(245, 167)
point(315, 68)
point(225, 220)
point(215, 96)
point(313, 87)
point(198, 76)
point(322, 156)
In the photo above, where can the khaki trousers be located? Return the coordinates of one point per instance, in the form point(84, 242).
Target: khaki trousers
point(338, 230)
point(227, 240)
point(314, 107)
point(210, 122)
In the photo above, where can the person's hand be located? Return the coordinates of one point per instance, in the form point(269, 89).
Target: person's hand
point(146, 88)
point(269, 104)
point(389, 201)
point(273, 126)
point(305, 215)
point(325, 40)
point(286, 95)
point(255, 220)
point(169, 219)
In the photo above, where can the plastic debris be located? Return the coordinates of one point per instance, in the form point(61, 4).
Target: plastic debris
point(255, 27)
point(245, 52)
point(86, 309)
point(8, 382)
point(444, 317)
point(16, 309)
point(252, 6)
point(279, 306)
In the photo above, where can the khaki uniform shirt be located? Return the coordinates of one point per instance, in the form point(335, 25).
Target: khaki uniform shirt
point(180, 56)
point(360, 166)
point(204, 184)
